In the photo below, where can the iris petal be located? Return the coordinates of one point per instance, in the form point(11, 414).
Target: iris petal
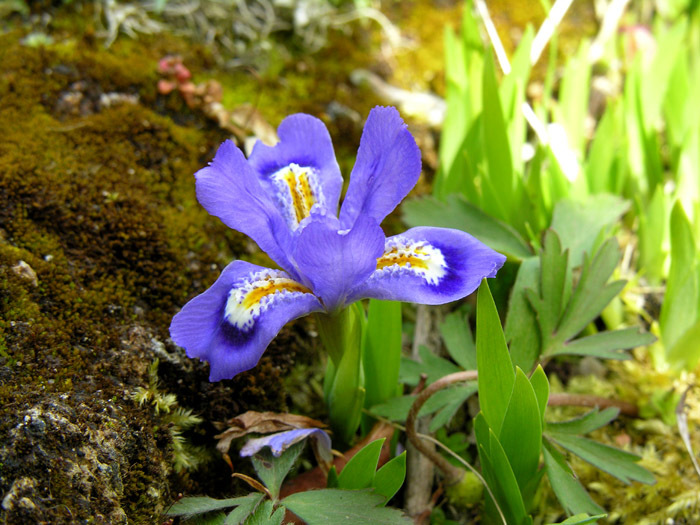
point(231, 324)
point(229, 189)
point(388, 166)
point(301, 170)
point(429, 266)
point(281, 441)
point(335, 261)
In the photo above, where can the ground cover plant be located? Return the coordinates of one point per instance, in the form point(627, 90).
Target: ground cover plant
point(524, 352)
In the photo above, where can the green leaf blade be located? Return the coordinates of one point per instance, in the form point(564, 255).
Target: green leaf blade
point(496, 372)
point(522, 329)
point(382, 351)
point(592, 293)
point(498, 184)
point(615, 462)
point(586, 423)
point(521, 433)
point(359, 472)
point(348, 507)
point(390, 477)
point(456, 212)
point(272, 470)
point(200, 504)
point(607, 345)
point(572, 496)
point(459, 340)
point(579, 223)
point(680, 307)
point(240, 513)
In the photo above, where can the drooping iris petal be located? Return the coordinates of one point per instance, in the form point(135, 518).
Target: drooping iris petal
point(335, 261)
point(387, 167)
point(231, 324)
point(281, 441)
point(429, 266)
point(300, 171)
point(229, 189)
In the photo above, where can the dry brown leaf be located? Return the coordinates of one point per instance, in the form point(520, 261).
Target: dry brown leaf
point(249, 118)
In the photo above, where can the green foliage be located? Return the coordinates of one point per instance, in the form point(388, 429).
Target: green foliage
point(272, 470)
point(360, 496)
point(390, 477)
point(569, 491)
point(175, 418)
point(381, 358)
point(361, 472)
point(444, 404)
point(546, 300)
point(496, 372)
point(581, 519)
point(510, 427)
point(616, 462)
point(343, 337)
point(365, 352)
point(456, 212)
point(191, 506)
point(680, 313)
point(459, 341)
point(320, 507)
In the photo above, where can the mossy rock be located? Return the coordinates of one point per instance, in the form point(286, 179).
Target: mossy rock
point(101, 242)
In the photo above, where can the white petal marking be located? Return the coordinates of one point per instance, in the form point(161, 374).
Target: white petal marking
point(297, 192)
point(249, 298)
point(417, 257)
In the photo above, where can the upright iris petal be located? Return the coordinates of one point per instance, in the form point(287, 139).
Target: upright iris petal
point(300, 172)
point(285, 197)
point(229, 189)
point(388, 166)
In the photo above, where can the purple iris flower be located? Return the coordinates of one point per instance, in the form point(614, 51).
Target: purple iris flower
point(286, 199)
point(281, 441)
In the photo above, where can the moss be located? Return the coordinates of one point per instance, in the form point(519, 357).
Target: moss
point(99, 201)
point(674, 495)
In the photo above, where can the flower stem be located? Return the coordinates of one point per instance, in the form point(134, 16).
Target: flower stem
point(337, 332)
point(342, 335)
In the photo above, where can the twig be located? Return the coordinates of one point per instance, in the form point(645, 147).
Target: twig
point(452, 473)
point(583, 400)
point(420, 467)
